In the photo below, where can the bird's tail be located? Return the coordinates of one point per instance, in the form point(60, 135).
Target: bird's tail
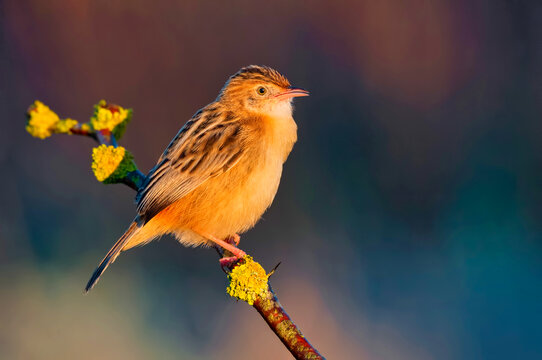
point(112, 255)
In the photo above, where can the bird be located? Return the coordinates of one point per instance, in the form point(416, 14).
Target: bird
point(221, 171)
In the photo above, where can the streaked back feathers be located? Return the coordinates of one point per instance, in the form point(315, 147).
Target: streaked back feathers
point(206, 146)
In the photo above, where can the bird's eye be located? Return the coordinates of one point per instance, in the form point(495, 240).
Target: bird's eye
point(261, 90)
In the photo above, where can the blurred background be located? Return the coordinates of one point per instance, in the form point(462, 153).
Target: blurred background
point(409, 217)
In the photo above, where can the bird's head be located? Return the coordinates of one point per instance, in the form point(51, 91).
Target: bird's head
point(260, 89)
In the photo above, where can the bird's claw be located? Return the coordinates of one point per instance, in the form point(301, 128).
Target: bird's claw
point(228, 262)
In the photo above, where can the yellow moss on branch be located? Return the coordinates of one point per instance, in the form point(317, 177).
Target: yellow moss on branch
point(43, 122)
point(248, 281)
point(111, 164)
point(110, 117)
point(65, 126)
point(85, 127)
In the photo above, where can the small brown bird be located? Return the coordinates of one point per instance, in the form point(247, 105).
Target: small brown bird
point(222, 170)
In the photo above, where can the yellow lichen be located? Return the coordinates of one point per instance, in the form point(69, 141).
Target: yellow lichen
point(248, 281)
point(64, 126)
point(41, 120)
point(85, 127)
point(110, 117)
point(105, 160)
point(111, 164)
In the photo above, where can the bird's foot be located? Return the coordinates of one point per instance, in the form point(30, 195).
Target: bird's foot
point(228, 262)
point(226, 245)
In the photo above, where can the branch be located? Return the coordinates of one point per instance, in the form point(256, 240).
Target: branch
point(269, 307)
point(113, 164)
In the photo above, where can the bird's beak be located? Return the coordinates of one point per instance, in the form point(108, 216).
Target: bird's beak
point(291, 93)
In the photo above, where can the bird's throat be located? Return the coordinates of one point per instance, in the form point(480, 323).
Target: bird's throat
point(281, 110)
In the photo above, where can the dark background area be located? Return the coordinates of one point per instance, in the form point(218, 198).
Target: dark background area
point(408, 220)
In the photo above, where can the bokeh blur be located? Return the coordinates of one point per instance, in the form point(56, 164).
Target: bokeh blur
point(409, 217)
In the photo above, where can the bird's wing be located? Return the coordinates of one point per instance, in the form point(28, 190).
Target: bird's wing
point(206, 146)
